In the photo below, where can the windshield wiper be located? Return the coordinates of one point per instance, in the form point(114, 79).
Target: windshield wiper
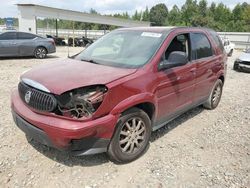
point(90, 60)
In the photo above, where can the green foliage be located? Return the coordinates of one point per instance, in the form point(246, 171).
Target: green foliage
point(174, 16)
point(189, 10)
point(158, 14)
point(145, 16)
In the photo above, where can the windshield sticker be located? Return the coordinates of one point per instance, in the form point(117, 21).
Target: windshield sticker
point(149, 34)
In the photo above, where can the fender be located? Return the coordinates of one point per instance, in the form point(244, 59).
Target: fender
point(221, 74)
point(133, 101)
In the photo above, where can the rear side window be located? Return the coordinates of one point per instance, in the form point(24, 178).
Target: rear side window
point(217, 40)
point(25, 36)
point(8, 36)
point(201, 47)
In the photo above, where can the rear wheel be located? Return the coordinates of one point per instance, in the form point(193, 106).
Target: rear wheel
point(40, 52)
point(131, 136)
point(215, 96)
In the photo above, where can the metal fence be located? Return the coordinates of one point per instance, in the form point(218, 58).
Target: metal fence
point(66, 33)
point(241, 40)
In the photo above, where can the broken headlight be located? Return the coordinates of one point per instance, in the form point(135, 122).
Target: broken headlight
point(82, 102)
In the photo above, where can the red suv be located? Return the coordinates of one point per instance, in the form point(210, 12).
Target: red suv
point(111, 96)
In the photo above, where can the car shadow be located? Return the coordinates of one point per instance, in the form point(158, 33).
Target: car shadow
point(175, 123)
point(67, 159)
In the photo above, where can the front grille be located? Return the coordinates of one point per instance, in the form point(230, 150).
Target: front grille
point(37, 99)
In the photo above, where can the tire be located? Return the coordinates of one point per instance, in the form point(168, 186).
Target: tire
point(215, 96)
point(230, 53)
point(131, 137)
point(235, 67)
point(40, 52)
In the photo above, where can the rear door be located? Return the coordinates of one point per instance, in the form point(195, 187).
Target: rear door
point(26, 43)
point(8, 44)
point(206, 61)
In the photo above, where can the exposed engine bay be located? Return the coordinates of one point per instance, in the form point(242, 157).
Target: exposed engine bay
point(82, 102)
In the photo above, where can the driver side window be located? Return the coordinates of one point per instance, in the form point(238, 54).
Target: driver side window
point(179, 43)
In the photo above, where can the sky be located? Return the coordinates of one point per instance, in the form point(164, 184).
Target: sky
point(8, 8)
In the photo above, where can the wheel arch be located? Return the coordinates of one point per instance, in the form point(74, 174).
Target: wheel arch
point(222, 78)
point(143, 101)
point(147, 107)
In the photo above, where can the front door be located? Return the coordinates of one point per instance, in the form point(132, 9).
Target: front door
point(176, 85)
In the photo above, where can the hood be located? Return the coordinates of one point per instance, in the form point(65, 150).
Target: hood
point(244, 57)
point(65, 75)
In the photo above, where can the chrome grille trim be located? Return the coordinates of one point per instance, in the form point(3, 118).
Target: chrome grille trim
point(35, 84)
point(39, 100)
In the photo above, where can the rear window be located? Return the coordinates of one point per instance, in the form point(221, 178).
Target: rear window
point(8, 36)
point(201, 47)
point(25, 36)
point(217, 40)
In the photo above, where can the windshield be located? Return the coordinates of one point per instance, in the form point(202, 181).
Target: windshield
point(128, 49)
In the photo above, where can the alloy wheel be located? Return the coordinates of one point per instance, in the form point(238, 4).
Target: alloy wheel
point(132, 135)
point(41, 53)
point(216, 95)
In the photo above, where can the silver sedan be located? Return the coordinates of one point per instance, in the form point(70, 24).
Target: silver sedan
point(14, 44)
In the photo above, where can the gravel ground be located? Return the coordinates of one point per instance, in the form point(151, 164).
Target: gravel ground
point(201, 148)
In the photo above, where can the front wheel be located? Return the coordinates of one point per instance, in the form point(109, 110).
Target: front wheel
point(131, 136)
point(215, 96)
point(40, 52)
point(236, 67)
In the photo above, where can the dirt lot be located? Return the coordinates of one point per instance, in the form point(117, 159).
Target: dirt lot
point(200, 149)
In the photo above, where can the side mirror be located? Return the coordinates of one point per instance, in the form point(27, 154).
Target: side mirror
point(175, 59)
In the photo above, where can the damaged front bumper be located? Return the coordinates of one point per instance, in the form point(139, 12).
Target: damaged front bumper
point(79, 138)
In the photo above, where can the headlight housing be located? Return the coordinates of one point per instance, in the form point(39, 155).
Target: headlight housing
point(81, 102)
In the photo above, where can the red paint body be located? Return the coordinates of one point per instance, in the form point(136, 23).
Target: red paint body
point(169, 91)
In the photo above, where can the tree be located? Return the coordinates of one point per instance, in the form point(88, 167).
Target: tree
point(145, 16)
point(189, 10)
point(174, 16)
point(158, 14)
point(202, 8)
point(246, 14)
point(93, 11)
point(202, 18)
point(136, 16)
point(212, 7)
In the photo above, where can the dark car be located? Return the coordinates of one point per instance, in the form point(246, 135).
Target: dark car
point(80, 42)
point(111, 96)
point(60, 41)
point(14, 44)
